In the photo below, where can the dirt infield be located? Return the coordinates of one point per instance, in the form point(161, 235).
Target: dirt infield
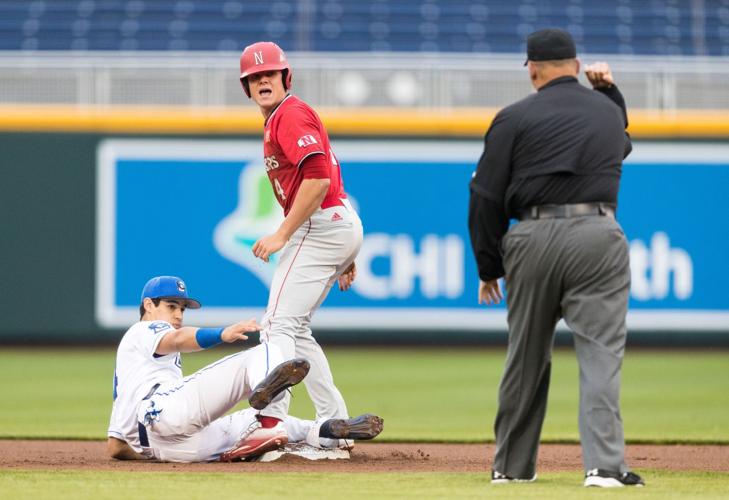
point(369, 457)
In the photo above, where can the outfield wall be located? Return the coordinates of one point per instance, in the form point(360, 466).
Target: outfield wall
point(77, 193)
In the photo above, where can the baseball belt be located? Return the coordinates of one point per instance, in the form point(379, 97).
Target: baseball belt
point(566, 211)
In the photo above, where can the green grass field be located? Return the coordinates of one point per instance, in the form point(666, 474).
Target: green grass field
point(562, 486)
point(424, 395)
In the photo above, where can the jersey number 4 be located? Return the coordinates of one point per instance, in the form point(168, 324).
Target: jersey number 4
point(279, 190)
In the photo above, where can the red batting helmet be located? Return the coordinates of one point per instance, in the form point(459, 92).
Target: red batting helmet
point(260, 57)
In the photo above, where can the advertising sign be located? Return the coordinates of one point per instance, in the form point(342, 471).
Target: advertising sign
point(194, 209)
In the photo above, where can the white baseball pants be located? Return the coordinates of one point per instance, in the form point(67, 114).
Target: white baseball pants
point(310, 263)
point(191, 425)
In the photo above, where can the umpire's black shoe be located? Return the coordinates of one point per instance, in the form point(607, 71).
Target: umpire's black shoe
point(365, 426)
point(499, 478)
point(608, 479)
point(281, 378)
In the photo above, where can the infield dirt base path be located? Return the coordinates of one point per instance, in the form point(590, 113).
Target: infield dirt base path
point(366, 457)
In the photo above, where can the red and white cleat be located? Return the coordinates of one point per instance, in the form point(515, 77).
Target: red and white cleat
point(257, 441)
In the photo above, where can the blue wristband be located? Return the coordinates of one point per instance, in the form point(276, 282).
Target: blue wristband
point(209, 337)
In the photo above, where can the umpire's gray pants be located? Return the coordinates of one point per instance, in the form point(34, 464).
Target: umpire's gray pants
point(576, 269)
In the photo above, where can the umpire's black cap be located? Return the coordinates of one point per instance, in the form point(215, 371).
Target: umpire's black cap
point(550, 44)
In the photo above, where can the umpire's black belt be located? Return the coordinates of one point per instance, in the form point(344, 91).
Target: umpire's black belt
point(567, 211)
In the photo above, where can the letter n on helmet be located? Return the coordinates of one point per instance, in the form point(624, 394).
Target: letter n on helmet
point(261, 57)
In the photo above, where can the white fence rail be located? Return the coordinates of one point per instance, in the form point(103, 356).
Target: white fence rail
point(339, 79)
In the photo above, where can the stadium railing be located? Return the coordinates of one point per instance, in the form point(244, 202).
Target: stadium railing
point(424, 93)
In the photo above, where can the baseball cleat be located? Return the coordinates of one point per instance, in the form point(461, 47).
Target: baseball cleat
point(257, 441)
point(282, 377)
point(365, 426)
point(608, 479)
point(499, 478)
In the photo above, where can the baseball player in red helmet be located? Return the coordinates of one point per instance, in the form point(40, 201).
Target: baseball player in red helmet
point(318, 239)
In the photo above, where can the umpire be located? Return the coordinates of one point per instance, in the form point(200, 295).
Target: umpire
point(553, 161)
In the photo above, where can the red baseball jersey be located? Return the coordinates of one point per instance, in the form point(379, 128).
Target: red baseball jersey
point(292, 133)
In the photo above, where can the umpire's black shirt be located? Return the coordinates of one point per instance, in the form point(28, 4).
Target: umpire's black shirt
point(562, 144)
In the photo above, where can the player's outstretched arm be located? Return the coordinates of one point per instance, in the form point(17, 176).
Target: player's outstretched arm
point(191, 339)
point(238, 331)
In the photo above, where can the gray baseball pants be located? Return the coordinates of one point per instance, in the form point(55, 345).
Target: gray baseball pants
point(577, 269)
point(315, 256)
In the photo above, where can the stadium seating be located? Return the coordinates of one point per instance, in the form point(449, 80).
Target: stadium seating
point(668, 27)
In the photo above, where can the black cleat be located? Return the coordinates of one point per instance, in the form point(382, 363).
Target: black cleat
point(499, 478)
point(365, 426)
point(282, 377)
point(608, 479)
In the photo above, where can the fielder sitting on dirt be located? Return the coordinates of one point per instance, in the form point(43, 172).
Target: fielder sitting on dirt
point(158, 414)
